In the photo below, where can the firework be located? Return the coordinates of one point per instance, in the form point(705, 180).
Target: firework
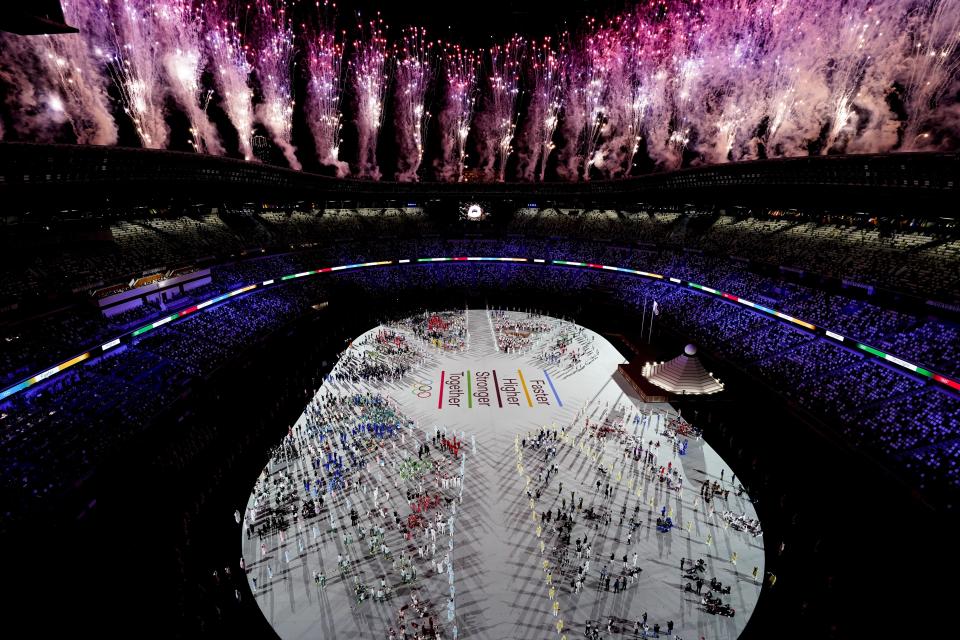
point(545, 71)
point(933, 44)
point(36, 102)
point(180, 29)
point(137, 69)
point(231, 73)
point(666, 83)
point(274, 63)
point(413, 75)
point(498, 120)
point(324, 88)
point(460, 73)
point(371, 77)
point(78, 67)
point(586, 83)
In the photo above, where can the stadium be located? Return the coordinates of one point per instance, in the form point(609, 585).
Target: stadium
point(361, 320)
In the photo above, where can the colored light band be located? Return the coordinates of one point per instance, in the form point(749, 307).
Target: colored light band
point(6, 393)
point(903, 364)
point(605, 267)
point(40, 377)
point(947, 381)
point(871, 350)
point(482, 259)
point(60, 367)
point(160, 323)
point(359, 265)
point(795, 321)
point(752, 305)
point(703, 288)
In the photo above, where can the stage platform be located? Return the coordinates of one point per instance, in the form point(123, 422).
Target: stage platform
point(489, 400)
point(632, 374)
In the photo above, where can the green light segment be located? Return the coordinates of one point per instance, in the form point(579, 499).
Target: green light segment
point(868, 349)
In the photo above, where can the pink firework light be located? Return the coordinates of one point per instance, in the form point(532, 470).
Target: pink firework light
point(414, 72)
point(545, 72)
point(461, 68)
point(930, 70)
point(274, 64)
point(324, 93)
point(78, 66)
point(857, 40)
point(137, 69)
point(684, 90)
point(602, 59)
point(731, 76)
point(745, 113)
point(702, 81)
point(617, 60)
point(230, 64)
point(497, 122)
point(573, 116)
point(593, 99)
point(663, 98)
point(180, 25)
point(30, 93)
point(652, 97)
point(370, 77)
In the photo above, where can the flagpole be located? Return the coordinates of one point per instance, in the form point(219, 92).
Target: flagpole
point(650, 335)
point(644, 320)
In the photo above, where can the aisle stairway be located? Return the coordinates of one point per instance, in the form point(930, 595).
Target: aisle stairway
point(481, 333)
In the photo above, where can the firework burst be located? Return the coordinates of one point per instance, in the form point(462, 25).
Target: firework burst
point(545, 73)
point(461, 68)
point(665, 83)
point(370, 77)
point(324, 92)
point(414, 71)
point(274, 63)
point(231, 73)
point(497, 122)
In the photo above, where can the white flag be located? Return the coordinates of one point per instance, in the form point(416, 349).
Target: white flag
point(656, 308)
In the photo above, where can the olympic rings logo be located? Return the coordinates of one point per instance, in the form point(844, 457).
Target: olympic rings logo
point(422, 390)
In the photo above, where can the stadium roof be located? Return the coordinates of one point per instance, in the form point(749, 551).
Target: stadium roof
point(34, 176)
point(34, 18)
